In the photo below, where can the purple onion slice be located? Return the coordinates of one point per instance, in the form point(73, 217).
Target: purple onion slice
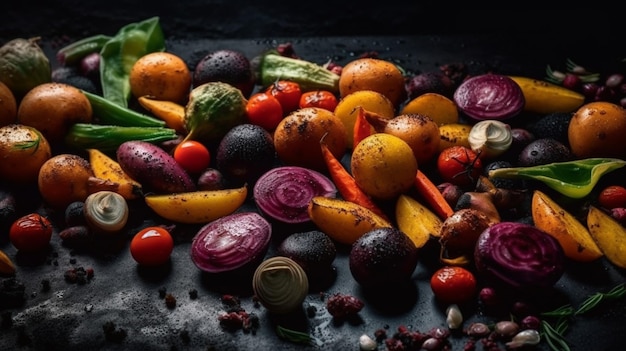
point(231, 242)
point(283, 193)
point(489, 96)
point(519, 255)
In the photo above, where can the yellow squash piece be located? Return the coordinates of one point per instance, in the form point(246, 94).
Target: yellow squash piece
point(609, 234)
point(454, 134)
point(543, 97)
point(577, 242)
point(104, 167)
point(7, 268)
point(172, 113)
point(197, 207)
point(416, 220)
point(343, 221)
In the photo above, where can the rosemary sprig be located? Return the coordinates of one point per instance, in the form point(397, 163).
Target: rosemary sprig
point(554, 335)
point(293, 335)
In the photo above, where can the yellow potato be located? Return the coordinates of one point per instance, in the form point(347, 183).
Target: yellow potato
point(347, 109)
point(343, 221)
point(383, 166)
point(416, 220)
point(577, 242)
point(609, 234)
point(441, 109)
point(454, 134)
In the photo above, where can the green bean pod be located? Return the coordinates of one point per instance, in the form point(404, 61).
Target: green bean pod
point(110, 137)
point(72, 53)
point(108, 112)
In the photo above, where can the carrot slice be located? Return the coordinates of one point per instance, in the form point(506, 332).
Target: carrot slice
point(431, 194)
point(362, 128)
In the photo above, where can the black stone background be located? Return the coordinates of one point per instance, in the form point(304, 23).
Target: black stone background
point(418, 36)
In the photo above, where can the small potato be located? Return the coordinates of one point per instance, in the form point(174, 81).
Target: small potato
point(162, 76)
point(436, 106)
point(297, 137)
point(347, 109)
point(24, 150)
point(153, 167)
point(52, 108)
point(64, 179)
point(8, 105)
point(373, 74)
point(383, 166)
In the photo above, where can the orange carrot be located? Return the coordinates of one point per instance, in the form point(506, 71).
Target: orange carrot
point(362, 128)
point(346, 184)
point(431, 194)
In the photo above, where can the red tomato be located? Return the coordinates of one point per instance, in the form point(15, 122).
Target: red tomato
point(613, 196)
point(459, 165)
point(193, 156)
point(319, 98)
point(152, 246)
point(31, 233)
point(264, 110)
point(288, 94)
point(453, 284)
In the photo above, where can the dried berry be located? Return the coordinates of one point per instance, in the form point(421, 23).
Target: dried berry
point(170, 301)
point(341, 306)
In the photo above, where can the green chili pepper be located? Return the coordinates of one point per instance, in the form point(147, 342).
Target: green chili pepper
point(120, 53)
point(574, 179)
point(109, 138)
point(108, 112)
point(308, 75)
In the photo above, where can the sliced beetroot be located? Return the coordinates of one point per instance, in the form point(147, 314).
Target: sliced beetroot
point(283, 193)
point(231, 242)
point(489, 96)
point(519, 255)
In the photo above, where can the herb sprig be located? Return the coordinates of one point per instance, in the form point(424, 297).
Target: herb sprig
point(554, 334)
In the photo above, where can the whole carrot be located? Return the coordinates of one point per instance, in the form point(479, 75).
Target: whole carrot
point(345, 183)
point(431, 194)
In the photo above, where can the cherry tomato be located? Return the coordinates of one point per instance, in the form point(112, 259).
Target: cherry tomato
point(453, 284)
point(288, 94)
point(264, 110)
point(31, 233)
point(319, 98)
point(459, 165)
point(193, 156)
point(152, 246)
point(613, 196)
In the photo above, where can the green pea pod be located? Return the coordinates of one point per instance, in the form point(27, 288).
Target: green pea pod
point(574, 179)
point(120, 53)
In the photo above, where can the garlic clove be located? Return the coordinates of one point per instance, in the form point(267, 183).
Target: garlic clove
point(280, 284)
point(367, 344)
point(106, 211)
point(490, 138)
point(454, 317)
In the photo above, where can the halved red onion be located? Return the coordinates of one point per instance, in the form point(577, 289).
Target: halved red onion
point(519, 255)
point(489, 96)
point(231, 242)
point(283, 193)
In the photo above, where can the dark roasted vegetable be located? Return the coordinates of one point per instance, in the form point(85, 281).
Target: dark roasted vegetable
point(231, 242)
point(284, 193)
point(519, 255)
point(489, 96)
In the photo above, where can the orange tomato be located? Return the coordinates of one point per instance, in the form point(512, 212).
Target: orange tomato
point(264, 110)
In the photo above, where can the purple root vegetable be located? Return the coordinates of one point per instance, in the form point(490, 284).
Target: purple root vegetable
point(489, 96)
point(519, 255)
